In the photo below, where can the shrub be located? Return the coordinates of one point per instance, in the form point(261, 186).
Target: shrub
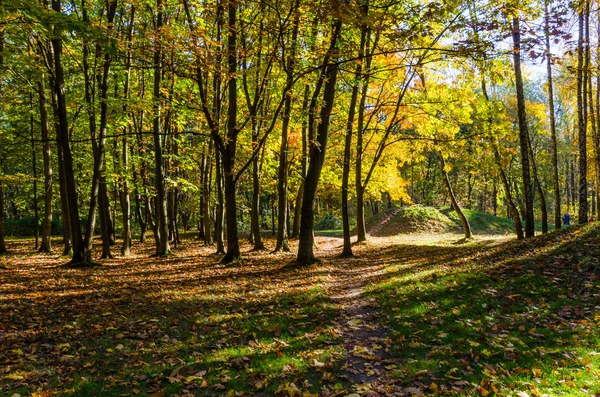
point(329, 222)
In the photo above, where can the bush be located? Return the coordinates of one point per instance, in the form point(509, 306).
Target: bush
point(19, 227)
point(329, 222)
point(24, 227)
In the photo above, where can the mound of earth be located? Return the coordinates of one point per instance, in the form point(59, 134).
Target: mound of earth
point(422, 219)
point(414, 219)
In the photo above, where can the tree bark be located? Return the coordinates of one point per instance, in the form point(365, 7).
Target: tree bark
point(99, 157)
point(255, 234)
point(555, 180)
point(125, 199)
point(540, 189)
point(46, 245)
point(523, 131)
point(2, 211)
point(36, 217)
point(220, 211)
point(163, 248)
point(282, 243)
point(229, 149)
point(582, 63)
point(2, 242)
point(463, 219)
point(206, 190)
point(63, 137)
point(317, 151)
point(347, 247)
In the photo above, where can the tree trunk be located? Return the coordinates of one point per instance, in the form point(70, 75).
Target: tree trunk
point(555, 180)
point(105, 219)
point(540, 190)
point(36, 218)
point(273, 215)
point(63, 137)
point(2, 211)
point(125, 199)
point(220, 209)
point(317, 151)
point(523, 131)
point(304, 165)
point(125, 202)
point(2, 242)
point(229, 149)
point(46, 245)
point(582, 73)
point(513, 211)
point(282, 243)
point(206, 190)
point(255, 213)
point(347, 247)
point(163, 248)
point(99, 158)
point(455, 204)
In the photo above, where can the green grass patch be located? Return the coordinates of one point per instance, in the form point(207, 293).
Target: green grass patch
point(500, 321)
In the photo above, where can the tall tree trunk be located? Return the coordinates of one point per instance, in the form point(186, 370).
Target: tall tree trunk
point(105, 219)
point(255, 213)
point(555, 180)
point(2, 211)
point(523, 131)
point(540, 190)
point(2, 242)
point(203, 176)
point(513, 210)
point(463, 219)
point(282, 243)
point(220, 211)
point(46, 245)
point(99, 158)
point(206, 190)
point(347, 247)
point(582, 73)
point(36, 218)
point(304, 165)
point(125, 199)
point(62, 179)
point(163, 248)
point(360, 131)
point(317, 151)
point(229, 149)
point(596, 134)
point(63, 137)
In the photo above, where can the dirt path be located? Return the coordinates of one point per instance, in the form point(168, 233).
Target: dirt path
point(365, 340)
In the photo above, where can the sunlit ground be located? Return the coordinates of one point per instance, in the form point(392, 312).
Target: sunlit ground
point(491, 315)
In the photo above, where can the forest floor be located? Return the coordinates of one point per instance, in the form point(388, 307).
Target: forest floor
point(411, 315)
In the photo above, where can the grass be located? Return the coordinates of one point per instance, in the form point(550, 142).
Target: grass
point(330, 233)
point(519, 317)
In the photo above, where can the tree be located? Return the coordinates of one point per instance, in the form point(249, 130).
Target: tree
point(163, 248)
point(327, 81)
point(58, 85)
point(523, 131)
point(555, 179)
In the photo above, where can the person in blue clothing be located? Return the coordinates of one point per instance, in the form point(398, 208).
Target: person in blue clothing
point(566, 219)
